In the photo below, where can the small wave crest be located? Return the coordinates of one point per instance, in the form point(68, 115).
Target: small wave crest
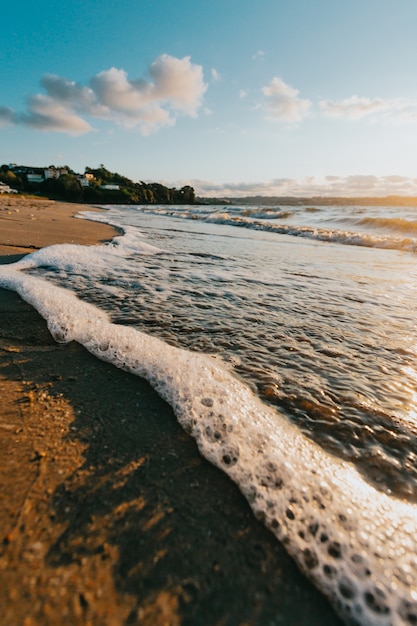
point(408, 244)
point(266, 214)
point(391, 223)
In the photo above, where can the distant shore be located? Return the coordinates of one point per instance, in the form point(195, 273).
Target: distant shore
point(315, 201)
point(109, 516)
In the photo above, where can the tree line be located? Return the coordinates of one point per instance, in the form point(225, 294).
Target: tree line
point(68, 187)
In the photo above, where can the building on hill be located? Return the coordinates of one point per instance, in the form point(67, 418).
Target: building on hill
point(38, 174)
point(55, 172)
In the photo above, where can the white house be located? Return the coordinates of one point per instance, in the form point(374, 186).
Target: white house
point(34, 178)
point(54, 172)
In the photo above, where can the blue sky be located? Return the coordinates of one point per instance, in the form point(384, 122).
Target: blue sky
point(235, 97)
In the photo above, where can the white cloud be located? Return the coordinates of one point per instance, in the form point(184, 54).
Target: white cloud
point(179, 82)
point(396, 180)
point(356, 108)
point(72, 95)
point(113, 90)
point(405, 112)
point(258, 55)
point(45, 113)
point(176, 88)
point(215, 75)
point(129, 102)
point(283, 102)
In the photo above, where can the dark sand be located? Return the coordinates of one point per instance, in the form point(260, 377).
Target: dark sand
point(108, 514)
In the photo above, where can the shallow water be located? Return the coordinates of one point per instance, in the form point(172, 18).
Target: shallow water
point(323, 331)
point(320, 330)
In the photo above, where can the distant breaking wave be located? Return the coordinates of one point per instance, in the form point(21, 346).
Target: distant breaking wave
point(268, 214)
point(369, 232)
point(398, 224)
point(322, 234)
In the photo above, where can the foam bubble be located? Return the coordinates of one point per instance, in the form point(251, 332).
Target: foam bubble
point(75, 257)
point(358, 545)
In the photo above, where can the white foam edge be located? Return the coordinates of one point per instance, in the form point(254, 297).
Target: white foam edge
point(358, 545)
point(75, 257)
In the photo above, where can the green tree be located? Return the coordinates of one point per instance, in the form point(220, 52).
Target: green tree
point(186, 195)
point(69, 188)
point(10, 178)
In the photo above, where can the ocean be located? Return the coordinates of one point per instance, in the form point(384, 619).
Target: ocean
point(285, 340)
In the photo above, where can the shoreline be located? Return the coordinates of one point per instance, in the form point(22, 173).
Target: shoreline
point(109, 515)
point(27, 224)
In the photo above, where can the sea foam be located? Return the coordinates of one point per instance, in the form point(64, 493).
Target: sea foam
point(355, 543)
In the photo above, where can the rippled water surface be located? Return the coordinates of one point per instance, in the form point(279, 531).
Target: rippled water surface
point(323, 330)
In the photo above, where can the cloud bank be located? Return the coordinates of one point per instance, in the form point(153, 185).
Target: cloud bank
point(310, 186)
point(176, 87)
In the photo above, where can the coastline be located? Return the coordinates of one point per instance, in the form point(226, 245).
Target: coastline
point(109, 515)
point(27, 224)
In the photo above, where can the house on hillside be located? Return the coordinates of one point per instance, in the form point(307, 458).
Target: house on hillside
point(38, 174)
point(35, 178)
point(54, 172)
point(32, 174)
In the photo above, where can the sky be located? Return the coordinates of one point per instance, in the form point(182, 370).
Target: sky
point(233, 97)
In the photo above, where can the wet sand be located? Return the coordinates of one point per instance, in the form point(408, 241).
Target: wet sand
point(108, 514)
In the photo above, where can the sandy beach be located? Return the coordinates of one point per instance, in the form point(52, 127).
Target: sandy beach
point(109, 516)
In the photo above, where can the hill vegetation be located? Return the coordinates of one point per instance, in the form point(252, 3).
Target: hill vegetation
point(96, 185)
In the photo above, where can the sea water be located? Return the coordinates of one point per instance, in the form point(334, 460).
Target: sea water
point(285, 340)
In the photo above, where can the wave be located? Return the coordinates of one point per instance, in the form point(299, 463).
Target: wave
point(266, 214)
point(257, 219)
point(356, 543)
point(391, 223)
point(320, 234)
